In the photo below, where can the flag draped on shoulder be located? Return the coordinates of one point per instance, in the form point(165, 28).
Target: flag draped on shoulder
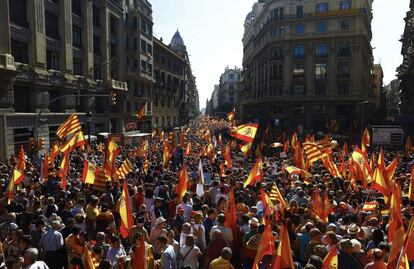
point(125, 211)
point(245, 132)
point(182, 185)
point(69, 126)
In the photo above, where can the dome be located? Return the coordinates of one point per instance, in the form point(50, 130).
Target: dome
point(177, 40)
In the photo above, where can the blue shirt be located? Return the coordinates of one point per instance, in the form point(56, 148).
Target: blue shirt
point(168, 258)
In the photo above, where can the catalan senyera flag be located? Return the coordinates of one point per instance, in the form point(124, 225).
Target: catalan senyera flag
point(275, 195)
point(255, 174)
point(231, 213)
point(18, 176)
point(245, 132)
point(21, 160)
point(69, 126)
point(89, 259)
point(88, 174)
point(63, 170)
point(292, 170)
point(269, 208)
point(266, 246)
point(411, 186)
point(366, 139)
point(187, 150)
point(111, 153)
point(209, 149)
point(141, 111)
point(298, 159)
point(101, 177)
point(331, 166)
point(313, 153)
point(283, 257)
point(124, 169)
point(182, 185)
point(231, 114)
point(245, 148)
point(77, 140)
point(370, 206)
point(331, 260)
point(125, 211)
point(227, 156)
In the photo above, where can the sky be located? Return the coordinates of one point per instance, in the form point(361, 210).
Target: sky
point(212, 30)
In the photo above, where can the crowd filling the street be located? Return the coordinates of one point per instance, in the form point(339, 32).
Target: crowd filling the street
point(216, 194)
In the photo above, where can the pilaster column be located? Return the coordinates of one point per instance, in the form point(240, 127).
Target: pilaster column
point(88, 38)
point(37, 45)
point(65, 29)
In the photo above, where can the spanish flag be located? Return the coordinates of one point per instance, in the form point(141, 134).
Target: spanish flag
point(69, 126)
point(141, 111)
point(77, 140)
point(63, 171)
point(298, 159)
point(231, 210)
point(89, 171)
point(231, 114)
point(284, 252)
point(396, 229)
point(227, 157)
point(266, 246)
point(166, 153)
point(331, 260)
point(21, 160)
point(127, 220)
point(366, 139)
point(380, 184)
point(182, 185)
point(18, 176)
point(54, 152)
point(111, 153)
point(245, 132)
point(255, 174)
point(292, 170)
point(390, 170)
point(361, 165)
point(245, 148)
point(294, 140)
point(10, 191)
point(370, 206)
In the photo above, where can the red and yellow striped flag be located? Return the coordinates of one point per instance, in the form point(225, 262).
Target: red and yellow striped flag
point(124, 169)
point(166, 153)
point(370, 206)
point(69, 126)
point(246, 148)
point(63, 171)
point(292, 170)
point(10, 191)
point(276, 196)
point(125, 211)
point(313, 153)
point(266, 246)
point(255, 174)
point(54, 152)
point(77, 140)
point(18, 176)
point(366, 139)
point(411, 187)
point(231, 213)
point(182, 185)
point(245, 132)
point(298, 159)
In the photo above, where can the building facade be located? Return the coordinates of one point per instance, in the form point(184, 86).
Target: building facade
point(308, 62)
point(229, 87)
point(392, 98)
point(90, 57)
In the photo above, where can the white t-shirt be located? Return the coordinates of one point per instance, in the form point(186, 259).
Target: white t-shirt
point(192, 258)
point(38, 265)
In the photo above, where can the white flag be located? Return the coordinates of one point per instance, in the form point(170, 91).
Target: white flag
point(200, 183)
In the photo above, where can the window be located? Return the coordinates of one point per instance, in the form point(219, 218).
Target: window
point(96, 45)
point(277, 14)
point(18, 12)
point(299, 12)
point(320, 89)
point(276, 72)
point(320, 109)
point(321, 50)
point(344, 5)
point(322, 7)
point(299, 51)
point(298, 71)
point(278, 31)
point(143, 65)
point(344, 70)
point(277, 53)
point(52, 25)
point(77, 36)
point(321, 71)
point(146, 27)
point(149, 49)
point(344, 50)
point(97, 71)
point(345, 25)
point(321, 27)
point(343, 88)
point(298, 109)
point(19, 51)
point(77, 7)
point(77, 67)
point(52, 59)
point(143, 47)
point(96, 16)
point(299, 29)
point(298, 90)
point(231, 76)
point(127, 42)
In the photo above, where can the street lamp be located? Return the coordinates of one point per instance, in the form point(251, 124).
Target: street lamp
point(362, 114)
point(89, 121)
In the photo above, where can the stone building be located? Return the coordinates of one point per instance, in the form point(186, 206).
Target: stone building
point(229, 86)
point(392, 98)
point(53, 50)
point(308, 62)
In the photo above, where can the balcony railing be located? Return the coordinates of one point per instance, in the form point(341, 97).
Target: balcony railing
point(119, 85)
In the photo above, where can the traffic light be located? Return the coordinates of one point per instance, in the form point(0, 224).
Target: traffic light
point(41, 143)
point(31, 143)
point(113, 99)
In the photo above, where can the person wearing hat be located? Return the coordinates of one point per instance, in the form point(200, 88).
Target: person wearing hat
point(345, 258)
point(157, 231)
point(353, 230)
point(158, 210)
point(253, 224)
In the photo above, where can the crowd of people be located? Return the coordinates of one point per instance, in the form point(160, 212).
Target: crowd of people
point(47, 226)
